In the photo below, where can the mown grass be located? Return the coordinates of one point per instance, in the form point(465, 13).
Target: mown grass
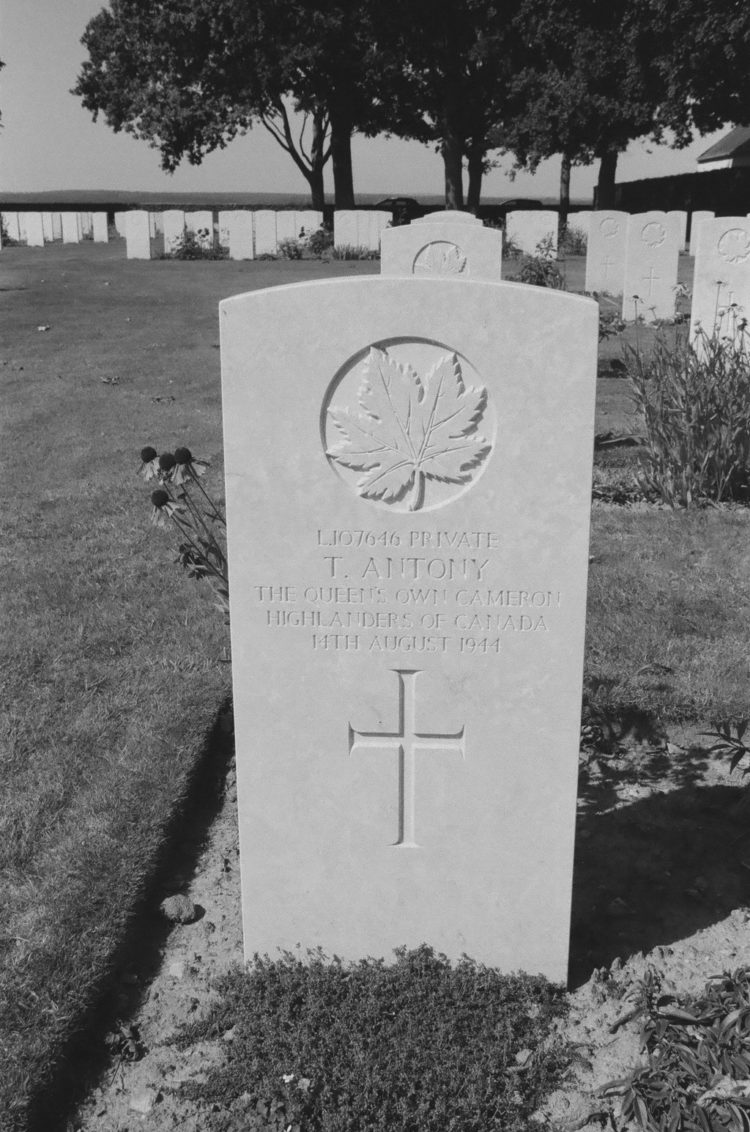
point(112, 663)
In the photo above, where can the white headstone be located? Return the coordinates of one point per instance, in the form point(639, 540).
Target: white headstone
point(12, 225)
point(408, 594)
point(152, 225)
point(34, 230)
point(605, 252)
point(308, 221)
point(377, 221)
point(286, 225)
point(71, 228)
point(681, 216)
point(450, 216)
point(468, 251)
point(345, 228)
point(240, 232)
point(264, 222)
point(651, 261)
point(120, 223)
point(173, 222)
point(85, 225)
point(56, 226)
point(696, 219)
point(528, 228)
point(48, 227)
point(137, 234)
point(223, 220)
point(100, 227)
point(722, 276)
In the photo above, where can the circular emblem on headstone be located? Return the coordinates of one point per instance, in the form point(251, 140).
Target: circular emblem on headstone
point(439, 258)
point(734, 245)
point(654, 234)
point(408, 425)
point(609, 227)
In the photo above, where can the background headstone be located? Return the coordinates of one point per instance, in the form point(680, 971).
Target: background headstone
point(48, 227)
point(71, 228)
point(120, 223)
point(12, 225)
point(451, 216)
point(345, 228)
point(605, 251)
point(286, 225)
point(696, 219)
point(468, 251)
point(527, 228)
point(377, 221)
point(56, 226)
point(681, 217)
point(34, 230)
point(310, 220)
point(408, 629)
point(85, 225)
point(137, 234)
point(264, 223)
point(722, 276)
point(173, 222)
point(100, 227)
point(580, 221)
point(651, 261)
point(240, 231)
point(224, 221)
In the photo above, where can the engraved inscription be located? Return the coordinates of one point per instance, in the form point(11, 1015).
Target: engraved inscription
point(654, 234)
point(440, 258)
point(734, 245)
point(406, 741)
point(609, 227)
point(409, 439)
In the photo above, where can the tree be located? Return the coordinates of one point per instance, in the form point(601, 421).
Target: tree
point(452, 82)
point(188, 76)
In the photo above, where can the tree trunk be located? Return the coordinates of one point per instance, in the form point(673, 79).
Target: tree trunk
point(605, 188)
point(562, 218)
point(318, 158)
point(476, 172)
point(341, 157)
point(452, 154)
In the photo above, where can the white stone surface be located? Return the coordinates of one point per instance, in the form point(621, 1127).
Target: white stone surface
point(100, 228)
point(173, 223)
point(377, 221)
point(452, 216)
point(527, 228)
point(48, 227)
point(696, 219)
point(310, 220)
point(444, 247)
point(34, 230)
point(137, 234)
point(605, 251)
point(223, 220)
point(56, 226)
point(85, 225)
point(71, 228)
point(120, 223)
point(681, 216)
point(12, 225)
point(264, 223)
point(240, 231)
point(407, 666)
point(286, 225)
point(345, 228)
point(722, 275)
point(651, 261)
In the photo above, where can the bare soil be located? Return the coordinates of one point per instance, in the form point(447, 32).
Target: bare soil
point(662, 879)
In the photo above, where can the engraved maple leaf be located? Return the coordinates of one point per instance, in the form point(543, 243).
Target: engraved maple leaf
point(410, 429)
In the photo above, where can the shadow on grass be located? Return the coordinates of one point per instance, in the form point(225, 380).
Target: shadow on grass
point(657, 870)
point(185, 836)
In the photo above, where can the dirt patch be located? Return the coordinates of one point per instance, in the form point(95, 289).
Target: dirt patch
point(662, 879)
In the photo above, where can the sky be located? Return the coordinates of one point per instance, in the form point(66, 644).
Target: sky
point(48, 141)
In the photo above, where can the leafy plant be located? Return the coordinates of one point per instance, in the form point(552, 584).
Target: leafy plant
point(695, 402)
point(196, 245)
point(291, 248)
point(183, 501)
point(728, 743)
point(541, 269)
point(574, 241)
point(698, 1060)
point(353, 251)
point(319, 1044)
point(320, 241)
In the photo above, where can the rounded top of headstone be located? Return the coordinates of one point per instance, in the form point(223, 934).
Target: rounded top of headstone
point(454, 215)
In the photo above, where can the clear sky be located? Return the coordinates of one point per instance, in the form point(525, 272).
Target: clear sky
point(48, 141)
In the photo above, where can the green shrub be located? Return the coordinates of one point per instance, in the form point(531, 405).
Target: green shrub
point(416, 1045)
point(193, 245)
point(541, 269)
point(291, 248)
point(353, 251)
point(695, 402)
point(320, 241)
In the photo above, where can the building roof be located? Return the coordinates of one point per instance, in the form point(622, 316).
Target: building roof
point(734, 144)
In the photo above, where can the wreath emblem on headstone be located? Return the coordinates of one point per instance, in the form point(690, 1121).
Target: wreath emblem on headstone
point(734, 245)
point(609, 227)
point(654, 234)
point(408, 429)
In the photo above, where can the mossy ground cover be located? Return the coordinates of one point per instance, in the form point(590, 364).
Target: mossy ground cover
point(114, 664)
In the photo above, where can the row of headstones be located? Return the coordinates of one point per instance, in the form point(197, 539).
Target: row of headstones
point(637, 256)
point(36, 229)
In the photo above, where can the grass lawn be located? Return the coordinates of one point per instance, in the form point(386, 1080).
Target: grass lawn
point(114, 665)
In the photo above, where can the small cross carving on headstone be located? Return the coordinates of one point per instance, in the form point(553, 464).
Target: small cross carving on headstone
point(606, 264)
point(406, 741)
point(651, 279)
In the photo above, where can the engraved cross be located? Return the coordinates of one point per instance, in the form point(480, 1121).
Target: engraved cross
point(651, 279)
point(406, 741)
point(606, 264)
